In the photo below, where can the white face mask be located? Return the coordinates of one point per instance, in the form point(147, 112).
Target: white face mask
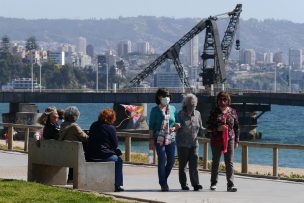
point(165, 101)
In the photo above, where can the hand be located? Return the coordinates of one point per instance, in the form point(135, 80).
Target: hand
point(236, 145)
point(172, 130)
point(221, 128)
point(177, 125)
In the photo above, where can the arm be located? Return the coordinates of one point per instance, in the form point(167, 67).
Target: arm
point(236, 127)
point(151, 129)
point(80, 134)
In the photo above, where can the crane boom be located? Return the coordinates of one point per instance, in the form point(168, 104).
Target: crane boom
point(173, 54)
point(212, 50)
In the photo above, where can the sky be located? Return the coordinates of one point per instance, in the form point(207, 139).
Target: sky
point(291, 10)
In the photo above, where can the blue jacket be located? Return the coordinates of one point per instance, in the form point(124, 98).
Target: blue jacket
point(156, 119)
point(102, 141)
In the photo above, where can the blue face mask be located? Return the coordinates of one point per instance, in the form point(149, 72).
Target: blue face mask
point(165, 101)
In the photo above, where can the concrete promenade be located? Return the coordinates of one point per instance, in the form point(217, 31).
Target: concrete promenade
point(141, 182)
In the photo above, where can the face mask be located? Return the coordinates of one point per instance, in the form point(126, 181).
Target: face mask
point(190, 107)
point(165, 101)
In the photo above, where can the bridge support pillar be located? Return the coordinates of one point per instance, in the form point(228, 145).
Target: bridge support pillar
point(21, 113)
point(247, 113)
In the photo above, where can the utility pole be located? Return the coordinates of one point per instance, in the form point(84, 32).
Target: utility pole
point(107, 76)
point(97, 77)
point(289, 79)
point(32, 75)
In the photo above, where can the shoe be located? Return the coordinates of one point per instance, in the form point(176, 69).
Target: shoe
point(164, 188)
point(185, 187)
point(197, 187)
point(119, 189)
point(213, 187)
point(231, 189)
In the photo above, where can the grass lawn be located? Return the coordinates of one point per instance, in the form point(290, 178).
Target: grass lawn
point(22, 191)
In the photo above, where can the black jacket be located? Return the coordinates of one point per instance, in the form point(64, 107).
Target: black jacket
point(102, 141)
point(51, 131)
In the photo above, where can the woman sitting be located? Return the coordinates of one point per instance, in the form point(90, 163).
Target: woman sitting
point(69, 129)
point(102, 144)
point(49, 120)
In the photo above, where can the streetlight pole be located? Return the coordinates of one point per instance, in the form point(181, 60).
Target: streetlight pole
point(275, 79)
point(183, 90)
point(107, 79)
point(40, 77)
point(97, 78)
point(32, 76)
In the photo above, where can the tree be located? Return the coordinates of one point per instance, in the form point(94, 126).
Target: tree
point(31, 44)
point(5, 47)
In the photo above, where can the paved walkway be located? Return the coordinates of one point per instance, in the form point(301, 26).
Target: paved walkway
point(142, 182)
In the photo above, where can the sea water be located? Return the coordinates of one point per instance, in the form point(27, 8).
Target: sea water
point(283, 124)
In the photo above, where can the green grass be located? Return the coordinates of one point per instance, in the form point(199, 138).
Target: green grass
point(22, 191)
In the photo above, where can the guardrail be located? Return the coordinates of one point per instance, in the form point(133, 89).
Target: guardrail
point(128, 136)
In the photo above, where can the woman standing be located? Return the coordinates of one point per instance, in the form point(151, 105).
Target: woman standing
point(187, 143)
point(223, 127)
point(162, 128)
point(103, 144)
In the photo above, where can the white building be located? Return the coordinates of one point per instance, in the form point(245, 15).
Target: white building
point(57, 57)
point(82, 45)
point(268, 57)
point(191, 52)
point(295, 58)
point(248, 56)
point(124, 48)
point(143, 47)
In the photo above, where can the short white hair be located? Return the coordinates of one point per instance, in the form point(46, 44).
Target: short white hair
point(71, 114)
point(187, 97)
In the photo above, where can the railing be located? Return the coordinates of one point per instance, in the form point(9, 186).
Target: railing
point(128, 136)
point(10, 133)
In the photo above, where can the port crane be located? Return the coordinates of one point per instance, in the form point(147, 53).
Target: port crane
point(214, 50)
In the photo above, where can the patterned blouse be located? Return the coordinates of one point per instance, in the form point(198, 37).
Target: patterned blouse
point(217, 118)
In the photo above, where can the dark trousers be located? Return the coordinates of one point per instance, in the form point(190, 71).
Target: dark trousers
point(228, 158)
point(188, 155)
point(118, 169)
point(165, 154)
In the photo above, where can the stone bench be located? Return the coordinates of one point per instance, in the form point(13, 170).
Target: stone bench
point(49, 163)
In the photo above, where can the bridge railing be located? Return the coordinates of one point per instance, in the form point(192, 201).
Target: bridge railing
point(128, 136)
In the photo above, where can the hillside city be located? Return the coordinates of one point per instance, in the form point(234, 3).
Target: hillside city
point(88, 67)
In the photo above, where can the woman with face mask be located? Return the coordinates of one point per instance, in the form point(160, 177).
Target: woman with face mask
point(223, 129)
point(187, 143)
point(162, 127)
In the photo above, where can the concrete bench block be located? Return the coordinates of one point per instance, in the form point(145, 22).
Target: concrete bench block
point(48, 163)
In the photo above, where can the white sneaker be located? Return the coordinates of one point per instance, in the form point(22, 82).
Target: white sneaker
point(213, 187)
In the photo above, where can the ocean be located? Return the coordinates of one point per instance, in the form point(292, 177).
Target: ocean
point(283, 124)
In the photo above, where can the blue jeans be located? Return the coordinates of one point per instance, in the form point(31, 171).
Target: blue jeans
point(166, 160)
point(118, 169)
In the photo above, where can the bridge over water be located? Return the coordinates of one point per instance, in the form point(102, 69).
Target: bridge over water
point(249, 105)
point(142, 96)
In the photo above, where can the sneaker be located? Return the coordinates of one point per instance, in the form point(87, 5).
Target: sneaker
point(164, 188)
point(231, 189)
point(119, 189)
point(185, 187)
point(213, 187)
point(197, 187)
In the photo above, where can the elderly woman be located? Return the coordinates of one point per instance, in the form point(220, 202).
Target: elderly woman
point(49, 119)
point(223, 127)
point(69, 129)
point(187, 143)
point(103, 144)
